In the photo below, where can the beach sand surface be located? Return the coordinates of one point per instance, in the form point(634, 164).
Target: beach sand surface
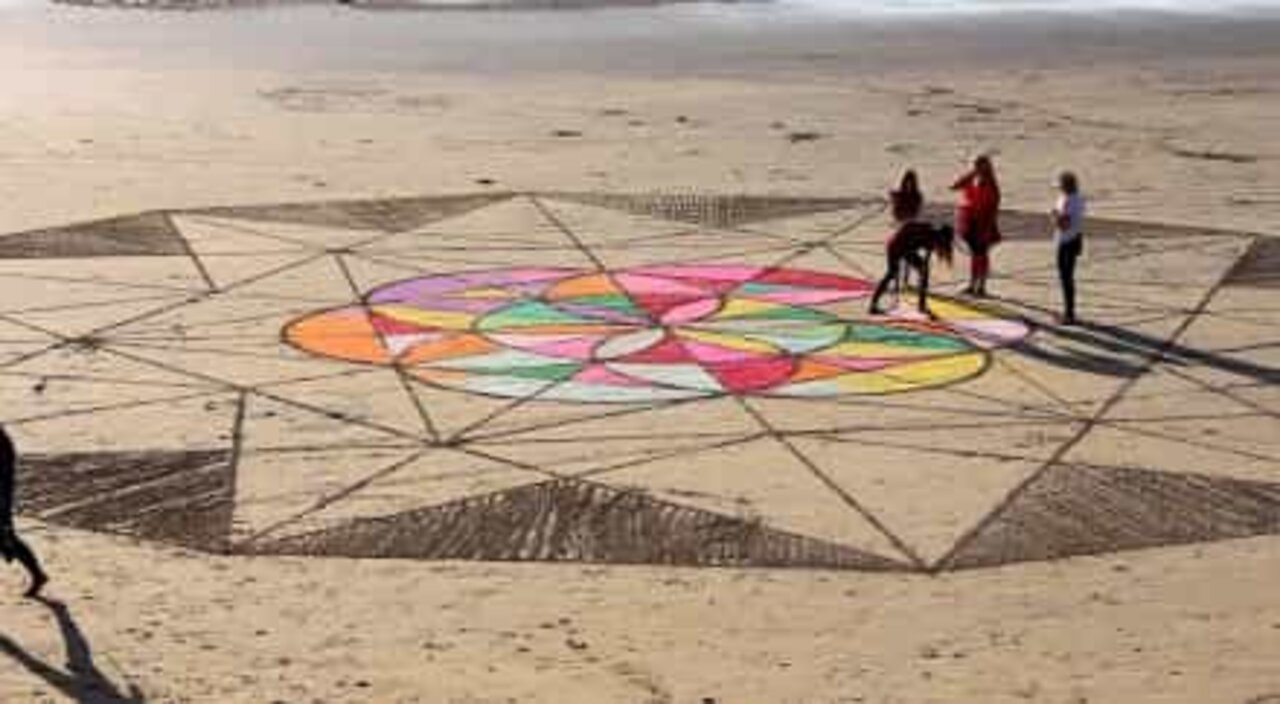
point(1165, 119)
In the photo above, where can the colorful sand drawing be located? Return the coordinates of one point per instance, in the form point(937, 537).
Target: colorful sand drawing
point(653, 334)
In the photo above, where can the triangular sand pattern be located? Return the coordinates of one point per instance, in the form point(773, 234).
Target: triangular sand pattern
point(514, 223)
point(368, 274)
point(1221, 336)
point(536, 414)
point(18, 342)
point(1007, 441)
point(30, 292)
point(757, 481)
point(428, 260)
point(1251, 437)
point(921, 410)
point(271, 423)
point(1011, 387)
point(133, 277)
point(70, 379)
point(196, 422)
point(437, 477)
point(531, 419)
point(1246, 302)
point(926, 500)
point(179, 497)
point(509, 224)
point(91, 320)
point(453, 412)
point(578, 458)
point(579, 522)
point(769, 254)
point(1079, 510)
point(596, 226)
point(274, 488)
point(712, 210)
point(147, 234)
point(230, 270)
point(844, 225)
point(208, 236)
point(1263, 396)
point(1259, 267)
point(700, 242)
point(869, 226)
point(1031, 225)
point(865, 261)
point(378, 397)
point(1163, 392)
point(1195, 262)
point(387, 214)
point(823, 260)
point(311, 237)
point(1194, 451)
point(253, 313)
point(242, 366)
point(320, 281)
point(1066, 378)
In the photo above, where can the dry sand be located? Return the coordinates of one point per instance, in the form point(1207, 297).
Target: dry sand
point(1165, 119)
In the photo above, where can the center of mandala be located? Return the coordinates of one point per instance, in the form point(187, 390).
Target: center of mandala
point(652, 334)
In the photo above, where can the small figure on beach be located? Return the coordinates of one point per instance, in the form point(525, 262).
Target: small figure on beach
point(977, 219)
point(12, 546)
point(912, 244)
point(1068, 238)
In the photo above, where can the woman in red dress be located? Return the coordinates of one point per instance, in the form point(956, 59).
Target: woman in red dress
point(977, 213)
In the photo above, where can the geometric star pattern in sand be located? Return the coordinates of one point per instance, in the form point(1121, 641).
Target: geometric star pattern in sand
point(164, 376)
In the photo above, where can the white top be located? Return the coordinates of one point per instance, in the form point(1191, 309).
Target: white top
point(1073, 207)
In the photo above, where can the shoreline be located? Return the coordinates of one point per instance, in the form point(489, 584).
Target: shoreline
point(788, 9)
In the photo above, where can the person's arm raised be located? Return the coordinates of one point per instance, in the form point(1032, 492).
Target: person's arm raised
point(964, 180)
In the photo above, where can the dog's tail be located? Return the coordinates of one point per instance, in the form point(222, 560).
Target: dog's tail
point(944, 243)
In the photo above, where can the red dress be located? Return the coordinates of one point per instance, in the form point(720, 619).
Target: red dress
point(976, 215)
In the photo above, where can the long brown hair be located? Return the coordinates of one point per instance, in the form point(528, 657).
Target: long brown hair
point(944, 243)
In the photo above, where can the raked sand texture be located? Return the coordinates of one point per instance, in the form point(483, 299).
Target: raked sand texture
point(473, 419)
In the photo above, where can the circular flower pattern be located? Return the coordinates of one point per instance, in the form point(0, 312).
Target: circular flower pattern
point(653, 334)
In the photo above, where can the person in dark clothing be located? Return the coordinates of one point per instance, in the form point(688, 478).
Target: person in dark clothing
point(912, 243)
point(11, 545)
point(907, 201)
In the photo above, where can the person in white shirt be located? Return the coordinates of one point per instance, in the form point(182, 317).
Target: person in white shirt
point(1068, 237)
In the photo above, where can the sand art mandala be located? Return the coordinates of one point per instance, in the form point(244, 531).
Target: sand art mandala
point(640, 379)
point(652, 334)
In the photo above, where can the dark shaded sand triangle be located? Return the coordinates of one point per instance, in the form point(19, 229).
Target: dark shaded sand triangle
point(573, 521)
point(1089, 510)
point(180, 497)
point(711, 210)
point(387, 214)
point(1260, 265)
point(147, 234)
point(1029, 226)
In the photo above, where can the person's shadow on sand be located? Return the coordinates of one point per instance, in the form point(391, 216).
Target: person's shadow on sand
point(82, 681)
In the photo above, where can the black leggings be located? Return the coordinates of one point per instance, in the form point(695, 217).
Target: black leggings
point(915, 261)
point(1068, 253)
point(14, 547)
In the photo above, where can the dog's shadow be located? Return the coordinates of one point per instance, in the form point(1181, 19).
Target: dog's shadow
point(81, 681)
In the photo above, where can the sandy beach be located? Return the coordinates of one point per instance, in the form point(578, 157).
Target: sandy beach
point(1168, 119)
